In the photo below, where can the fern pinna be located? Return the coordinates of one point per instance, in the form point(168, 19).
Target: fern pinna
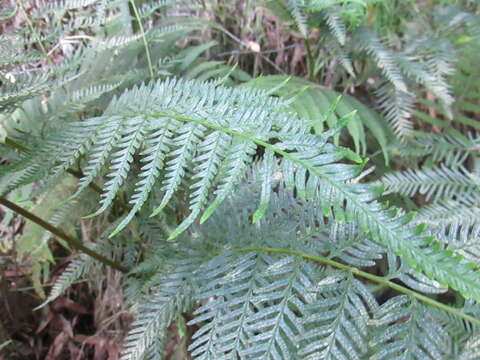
point(288, 286)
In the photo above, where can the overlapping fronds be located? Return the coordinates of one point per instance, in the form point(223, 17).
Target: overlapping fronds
point(326, 270)
point(257, 302)
point(322, 108)
point(254, 311)
point(216, 131)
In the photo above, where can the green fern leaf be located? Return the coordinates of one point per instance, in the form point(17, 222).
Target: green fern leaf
point(408, 331)
point(437, 183)
point(169, 298)
point(338, 319)
point(309, 163)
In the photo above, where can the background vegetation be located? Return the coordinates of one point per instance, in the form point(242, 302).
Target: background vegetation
point(283, 179)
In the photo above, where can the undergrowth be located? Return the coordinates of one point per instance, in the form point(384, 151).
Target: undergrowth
point(331, 215)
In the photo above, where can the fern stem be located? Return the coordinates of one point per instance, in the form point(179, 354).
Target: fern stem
point(62, 235)
point(310, 61)
point(78, 174)
point(144, 38)
point(378, 279)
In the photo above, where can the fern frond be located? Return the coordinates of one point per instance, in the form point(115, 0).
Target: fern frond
point(345, 241)
point(123, 150)
point(449, 211)
point(436, 183)
point(296, 8)
point(259, 304)
point(253, 313)
point(169, 298)
point(343, 56)
point(65, 5)
point(226, 332)
point(314, 103)
point(397, 106)
point(384, 58)
point(408, 331)
point(463, 238)
point(451, 148)
point(18, 88)
point(76, 270)
point(277, 304)
point(336, 324)
point(429, 78)
point(309, 164)
point(336, 25)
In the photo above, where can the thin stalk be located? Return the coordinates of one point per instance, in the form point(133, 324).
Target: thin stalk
point(310, 61)
point(32, 29)
point(62, 235)
point(144, 38)
point(377, 279)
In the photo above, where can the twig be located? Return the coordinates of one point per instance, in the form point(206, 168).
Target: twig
point(142, 32)
point(62, 235)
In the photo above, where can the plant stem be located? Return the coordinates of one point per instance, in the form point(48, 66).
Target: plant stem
point(378, 279)
point(310, 61)
point(32, 29)
point(62, 235)
point(145, 43)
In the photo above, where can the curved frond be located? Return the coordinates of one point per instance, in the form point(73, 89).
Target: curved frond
point(397, 106)
point(384, 58)
point(76, 270)
point(298, 14)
